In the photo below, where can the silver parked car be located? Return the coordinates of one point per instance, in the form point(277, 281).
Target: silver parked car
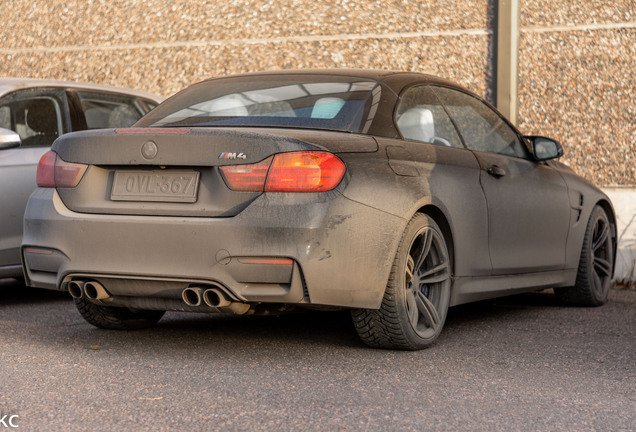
point(33, 113)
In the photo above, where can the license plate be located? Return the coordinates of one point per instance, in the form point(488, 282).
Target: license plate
point(158, 186)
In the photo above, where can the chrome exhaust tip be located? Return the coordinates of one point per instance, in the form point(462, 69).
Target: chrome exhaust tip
point(95, 291)
point(76, 289)
point(215, 298)
point(192, 296)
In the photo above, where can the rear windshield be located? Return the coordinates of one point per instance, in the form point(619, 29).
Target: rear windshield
point(299, 101)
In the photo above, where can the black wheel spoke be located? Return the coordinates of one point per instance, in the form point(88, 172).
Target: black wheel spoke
point(411, 304)
point(427, 239)
point(602, 266)
point(409, 269)
point(427, 310)
point(436, 274)
point(601, 237)
point(435, 279)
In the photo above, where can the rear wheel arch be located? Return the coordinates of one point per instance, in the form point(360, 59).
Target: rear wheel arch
point(609, 210)
point(415, 304)
point(438, 215)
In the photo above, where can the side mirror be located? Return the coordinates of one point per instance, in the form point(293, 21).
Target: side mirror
point(544, 148)
point(9, 139)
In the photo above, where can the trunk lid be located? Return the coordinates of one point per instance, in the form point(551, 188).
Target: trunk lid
point(175, 171)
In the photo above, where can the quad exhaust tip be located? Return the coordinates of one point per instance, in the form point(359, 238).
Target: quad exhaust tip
point(192, 296)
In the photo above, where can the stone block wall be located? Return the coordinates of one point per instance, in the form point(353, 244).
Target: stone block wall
point(577, 82)
point(576, 57)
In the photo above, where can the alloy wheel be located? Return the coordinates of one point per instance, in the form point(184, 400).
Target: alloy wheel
point(427, 278)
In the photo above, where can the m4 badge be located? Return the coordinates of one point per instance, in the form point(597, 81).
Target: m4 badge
point(232, 156)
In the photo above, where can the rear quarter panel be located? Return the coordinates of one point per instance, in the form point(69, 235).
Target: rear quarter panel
point(405, 177)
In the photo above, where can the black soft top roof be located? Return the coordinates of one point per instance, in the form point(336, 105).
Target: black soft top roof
point(395, 80)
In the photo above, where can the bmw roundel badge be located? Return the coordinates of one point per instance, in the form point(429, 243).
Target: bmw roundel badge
point(149, 150)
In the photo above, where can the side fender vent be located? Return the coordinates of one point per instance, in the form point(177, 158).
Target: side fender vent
point(581, 200)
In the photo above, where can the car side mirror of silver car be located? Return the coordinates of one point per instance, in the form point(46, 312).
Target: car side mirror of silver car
point(9, 139)
point(544, 148)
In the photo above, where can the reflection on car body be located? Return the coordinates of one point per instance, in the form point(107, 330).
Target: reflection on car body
point(395, 195)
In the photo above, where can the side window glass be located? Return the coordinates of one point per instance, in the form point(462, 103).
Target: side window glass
point(108, 110)
point(38, 117)
point(5, 117)
point(421, 117)
point(482, 128)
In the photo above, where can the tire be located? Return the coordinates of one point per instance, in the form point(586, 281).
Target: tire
point(596, 265)
point(116, 318)
point(415, 303)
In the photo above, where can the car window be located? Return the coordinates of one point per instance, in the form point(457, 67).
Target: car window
point(108, 110)
point(38, 116)
point(482, 128)
point(304, 101)
point(421, 117)
point(5, 117)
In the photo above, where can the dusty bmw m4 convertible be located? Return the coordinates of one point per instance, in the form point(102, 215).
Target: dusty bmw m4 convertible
point(395, 195)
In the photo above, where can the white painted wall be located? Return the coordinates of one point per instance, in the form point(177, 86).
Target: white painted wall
point(624, 200)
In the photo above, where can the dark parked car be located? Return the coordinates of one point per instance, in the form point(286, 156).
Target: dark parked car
point(394, 195)
point(33, 113)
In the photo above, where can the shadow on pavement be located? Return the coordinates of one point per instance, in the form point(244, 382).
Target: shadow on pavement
point(14, 292)
point(228, 332)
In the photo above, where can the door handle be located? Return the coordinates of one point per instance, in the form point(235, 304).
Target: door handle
point(496, 171)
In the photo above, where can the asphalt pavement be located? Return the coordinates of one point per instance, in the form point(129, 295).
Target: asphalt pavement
point(520, 363)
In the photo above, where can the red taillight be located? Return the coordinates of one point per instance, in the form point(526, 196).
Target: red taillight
point(53, 172)
point(249, 178)
point(46, 170)
point(306, 171)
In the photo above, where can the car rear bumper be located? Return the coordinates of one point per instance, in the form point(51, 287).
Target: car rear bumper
point(320, 249)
